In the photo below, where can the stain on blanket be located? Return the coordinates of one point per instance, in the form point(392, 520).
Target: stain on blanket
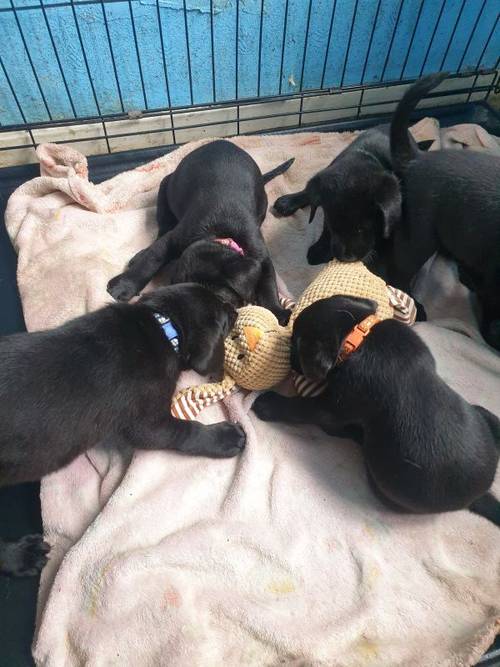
point(94, 588)
point(281, 587)
point(372, 575)
point(367, 649)
point(173, 597)
point(75, 651)
point(333, 544)
point(310, 140)
point(375, 528)
point(152, 166)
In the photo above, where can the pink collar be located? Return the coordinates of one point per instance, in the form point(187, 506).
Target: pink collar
point(231, 243)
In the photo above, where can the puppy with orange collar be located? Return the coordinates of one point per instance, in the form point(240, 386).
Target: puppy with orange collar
point(426, 449)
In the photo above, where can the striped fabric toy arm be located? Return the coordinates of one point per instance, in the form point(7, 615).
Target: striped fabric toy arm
point(286, 302)
point(188, 403)
point(404, 306)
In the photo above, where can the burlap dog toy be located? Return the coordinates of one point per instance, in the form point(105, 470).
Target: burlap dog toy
point(257, 350)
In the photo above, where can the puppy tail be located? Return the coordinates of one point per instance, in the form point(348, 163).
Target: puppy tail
point(280, 169)
point(488, 507)
point(402, 148)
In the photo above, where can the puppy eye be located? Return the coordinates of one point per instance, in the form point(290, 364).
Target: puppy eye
point(235, 337)
point(241, 356)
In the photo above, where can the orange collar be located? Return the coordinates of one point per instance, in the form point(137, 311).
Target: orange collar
point(356, 336)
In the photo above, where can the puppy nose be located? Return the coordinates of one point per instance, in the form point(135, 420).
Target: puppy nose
point(344, 255)
point(252, 335)
point(338, 251)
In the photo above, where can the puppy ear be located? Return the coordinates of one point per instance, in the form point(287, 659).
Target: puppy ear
point(314, 197)
point(369, 306)
point(242, 273)
point(389, 201)
point(315, 358)
point(207, 356)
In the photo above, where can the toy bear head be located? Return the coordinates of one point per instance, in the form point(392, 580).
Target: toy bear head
point(257, 349)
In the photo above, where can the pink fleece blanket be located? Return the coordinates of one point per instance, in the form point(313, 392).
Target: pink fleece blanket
point(282, 556)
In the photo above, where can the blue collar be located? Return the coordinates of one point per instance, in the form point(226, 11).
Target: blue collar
point(168, 329)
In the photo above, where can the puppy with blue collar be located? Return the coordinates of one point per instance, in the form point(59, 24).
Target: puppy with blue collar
point(107, 379)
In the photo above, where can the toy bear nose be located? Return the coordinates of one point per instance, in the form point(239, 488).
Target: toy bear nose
point(252, 335)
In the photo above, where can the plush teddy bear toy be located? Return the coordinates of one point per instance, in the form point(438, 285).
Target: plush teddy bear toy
point(257, 350)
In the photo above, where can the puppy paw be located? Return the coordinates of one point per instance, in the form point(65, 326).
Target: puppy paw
point(421, 313)
point(24, 558)
point(137, 257)
point(121, 288)
point(229, 440)
point(284, 206)
point(317, 255)
point(283, 315)
point(267, 406)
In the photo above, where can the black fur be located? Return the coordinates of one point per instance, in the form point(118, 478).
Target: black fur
point(107, 379)
point(360, 197)
point(451, 203)
point(426, 448)
point(24, 558)
point(217, 191)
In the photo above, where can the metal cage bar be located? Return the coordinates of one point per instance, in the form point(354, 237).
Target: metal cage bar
point(56, 54)
point(137, 52)
point(283, 46)
point(28, 55)
point(351, 30)
point(120, 86)
point(453, 32)
point(214, 94)
point(332, 19)
point(412, 39)
point(393, 36)
point(355, 110)
point(186, 29)
point(370, 41)
point(431, 41)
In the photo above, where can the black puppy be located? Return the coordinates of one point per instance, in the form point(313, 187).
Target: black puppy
point(360, 197)
point(210, 210)
point(452, 205)
point(107, 379)
point(426, 448)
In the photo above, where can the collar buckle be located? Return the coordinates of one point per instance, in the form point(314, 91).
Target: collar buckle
point(356, 336)
point(168, 329)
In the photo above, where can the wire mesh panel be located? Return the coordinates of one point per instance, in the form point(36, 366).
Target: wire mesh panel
point(67, 60)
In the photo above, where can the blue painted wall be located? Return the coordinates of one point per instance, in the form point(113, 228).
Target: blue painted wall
point(61, 59)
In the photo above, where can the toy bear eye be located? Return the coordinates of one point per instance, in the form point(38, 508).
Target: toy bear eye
point(241, 356)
